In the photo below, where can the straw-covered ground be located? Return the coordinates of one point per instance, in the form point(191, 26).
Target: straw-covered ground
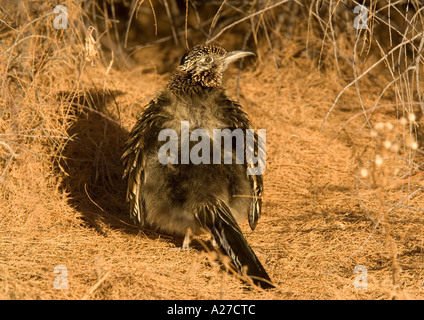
point(342, 108)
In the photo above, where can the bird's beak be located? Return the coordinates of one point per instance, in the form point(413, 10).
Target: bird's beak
point(236, 55)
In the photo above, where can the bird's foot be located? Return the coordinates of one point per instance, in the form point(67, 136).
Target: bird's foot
point(186, 242)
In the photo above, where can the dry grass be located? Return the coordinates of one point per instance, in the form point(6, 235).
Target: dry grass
point(343, 114)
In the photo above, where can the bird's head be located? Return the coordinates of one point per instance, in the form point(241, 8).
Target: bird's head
point(204, 65)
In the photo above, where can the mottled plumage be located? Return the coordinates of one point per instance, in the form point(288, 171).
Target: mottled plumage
point(201, 197)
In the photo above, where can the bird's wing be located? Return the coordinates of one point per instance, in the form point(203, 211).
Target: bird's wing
point(237, 118)
point(256, 182)
point(134, 158)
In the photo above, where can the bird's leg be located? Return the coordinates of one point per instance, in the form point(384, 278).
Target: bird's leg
point(213, 241)
point(187, 240)
point(214, 244)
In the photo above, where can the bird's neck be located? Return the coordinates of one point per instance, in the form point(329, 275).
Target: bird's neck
point(183, 83)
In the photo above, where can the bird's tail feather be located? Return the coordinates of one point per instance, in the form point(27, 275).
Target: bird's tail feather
point(216, 217)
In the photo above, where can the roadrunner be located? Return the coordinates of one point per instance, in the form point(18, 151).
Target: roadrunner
point(176, 197)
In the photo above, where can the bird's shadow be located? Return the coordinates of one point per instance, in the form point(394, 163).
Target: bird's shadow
point(90, 160)
point(91, 165)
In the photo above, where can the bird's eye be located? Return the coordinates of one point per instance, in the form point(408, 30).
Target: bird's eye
point(208, 59)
